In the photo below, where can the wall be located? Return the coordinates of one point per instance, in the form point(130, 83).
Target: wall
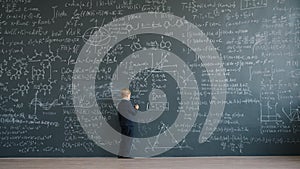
point(213, 77)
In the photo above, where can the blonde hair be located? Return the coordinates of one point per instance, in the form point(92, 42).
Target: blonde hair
point(125, 92)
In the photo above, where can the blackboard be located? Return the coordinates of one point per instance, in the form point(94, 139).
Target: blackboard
point(217, 77)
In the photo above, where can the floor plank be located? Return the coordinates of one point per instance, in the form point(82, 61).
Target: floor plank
point(256, 162)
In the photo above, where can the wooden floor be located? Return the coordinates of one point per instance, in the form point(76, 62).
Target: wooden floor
point(151, 163)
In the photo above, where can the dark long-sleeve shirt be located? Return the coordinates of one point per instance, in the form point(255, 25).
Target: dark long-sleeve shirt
point(126, 113)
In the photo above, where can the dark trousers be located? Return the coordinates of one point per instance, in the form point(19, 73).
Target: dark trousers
point(126, 141)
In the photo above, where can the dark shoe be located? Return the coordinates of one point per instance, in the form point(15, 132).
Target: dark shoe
point(125, 157)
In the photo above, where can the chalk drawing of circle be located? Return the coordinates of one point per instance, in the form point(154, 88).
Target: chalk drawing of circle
point(157, 96)
point(111, 136)
point(96, 36)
